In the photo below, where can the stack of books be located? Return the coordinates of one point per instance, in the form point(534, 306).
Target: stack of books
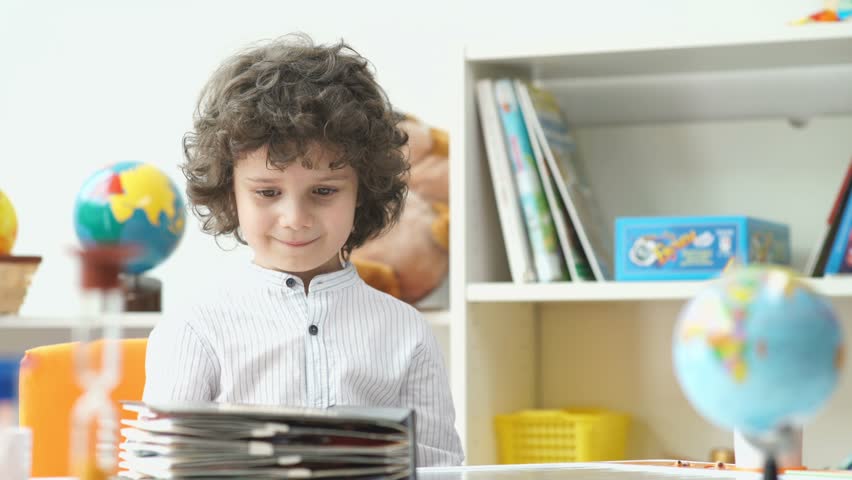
point(177, 441)
point(552, 227)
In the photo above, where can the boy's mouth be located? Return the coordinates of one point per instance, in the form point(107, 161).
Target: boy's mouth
point(296, 243)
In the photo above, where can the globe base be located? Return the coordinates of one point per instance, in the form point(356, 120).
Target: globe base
point(770, 468)
point(750, 453)
point(141, 293)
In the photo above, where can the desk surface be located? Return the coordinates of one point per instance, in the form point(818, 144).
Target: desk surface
point(662, 470)
point(599, 471)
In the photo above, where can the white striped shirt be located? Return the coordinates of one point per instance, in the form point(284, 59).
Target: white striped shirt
point(262, 340)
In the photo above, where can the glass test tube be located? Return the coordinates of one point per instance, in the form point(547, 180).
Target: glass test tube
point(94, 418)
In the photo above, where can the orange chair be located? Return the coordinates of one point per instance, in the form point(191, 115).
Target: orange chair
point(48, 390)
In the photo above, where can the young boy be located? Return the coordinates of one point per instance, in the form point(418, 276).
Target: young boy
point(296, 152)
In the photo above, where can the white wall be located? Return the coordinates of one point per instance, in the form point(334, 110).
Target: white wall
point(88, 83)
point(91, 84)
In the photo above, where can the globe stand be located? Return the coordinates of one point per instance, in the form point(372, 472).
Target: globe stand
point(770, 468)
point(141, 293)
point(778, 443)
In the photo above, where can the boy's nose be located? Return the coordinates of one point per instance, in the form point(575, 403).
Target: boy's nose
point(295, 216)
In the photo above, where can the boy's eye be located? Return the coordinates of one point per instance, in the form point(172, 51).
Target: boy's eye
point(324, 191)
point(267, 193)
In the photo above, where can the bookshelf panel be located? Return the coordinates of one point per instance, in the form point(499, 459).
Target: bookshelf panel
point(618, 357)
point(501, 371)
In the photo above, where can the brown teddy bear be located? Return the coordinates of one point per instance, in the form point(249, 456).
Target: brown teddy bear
point(412, 259)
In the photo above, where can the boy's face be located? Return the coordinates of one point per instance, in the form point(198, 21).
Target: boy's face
point(295, 220)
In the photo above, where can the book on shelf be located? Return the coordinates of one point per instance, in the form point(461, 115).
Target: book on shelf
point(840, 254)
point(505, 193)
point(547, 258)
point(572, 250)
point(560, 153)
point(816, 264)
point(204, 440)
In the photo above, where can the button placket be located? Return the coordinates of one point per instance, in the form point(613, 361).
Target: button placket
point(320, 310)
point(316, 353)
point(312, 373)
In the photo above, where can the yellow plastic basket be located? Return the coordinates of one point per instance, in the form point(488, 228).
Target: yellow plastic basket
point(570, 435)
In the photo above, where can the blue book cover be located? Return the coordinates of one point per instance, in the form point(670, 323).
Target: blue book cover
point(839, 260)
point(542, 234)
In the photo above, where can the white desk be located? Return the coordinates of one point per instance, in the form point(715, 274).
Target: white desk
point(606, 471)
point(594, 471)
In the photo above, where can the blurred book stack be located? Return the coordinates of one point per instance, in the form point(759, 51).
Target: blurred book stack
point(182, 441)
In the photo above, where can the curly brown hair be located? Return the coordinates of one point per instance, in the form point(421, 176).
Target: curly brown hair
point(290, 94)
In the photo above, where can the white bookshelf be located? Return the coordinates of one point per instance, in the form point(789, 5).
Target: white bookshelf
point(682, 123)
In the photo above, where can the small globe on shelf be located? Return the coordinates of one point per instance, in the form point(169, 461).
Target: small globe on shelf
point(758, 352)
point(16, 271)
point(132, 204)
point(8, 225)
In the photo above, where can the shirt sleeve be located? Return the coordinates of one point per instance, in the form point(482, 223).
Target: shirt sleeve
point(426, 389)
point(179, 364)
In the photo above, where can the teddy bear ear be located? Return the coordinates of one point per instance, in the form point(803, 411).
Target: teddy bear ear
point(440, 142)
point(441, 226)
point(420, 141)
point(378, 275)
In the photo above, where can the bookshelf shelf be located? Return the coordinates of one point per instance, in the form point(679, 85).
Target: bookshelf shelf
point(834, 287)
point(681, 50)
point(788, 72)
point(582, 292)
point(666, 123)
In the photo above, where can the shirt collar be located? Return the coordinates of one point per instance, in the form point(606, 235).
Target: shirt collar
point(336, 280)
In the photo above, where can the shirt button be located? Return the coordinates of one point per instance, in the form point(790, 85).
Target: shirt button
point(313, 329)
point(291, 282)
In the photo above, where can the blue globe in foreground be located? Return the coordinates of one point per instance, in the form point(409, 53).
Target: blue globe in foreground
point(135, 204)
point(757, 350)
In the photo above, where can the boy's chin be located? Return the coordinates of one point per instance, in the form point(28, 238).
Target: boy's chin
point(300, 266)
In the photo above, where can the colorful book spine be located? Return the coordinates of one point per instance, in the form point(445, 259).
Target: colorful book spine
point(572, 250)
point(583, 212)
point(819, 257)
point(840, 258)
point(542, 235)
